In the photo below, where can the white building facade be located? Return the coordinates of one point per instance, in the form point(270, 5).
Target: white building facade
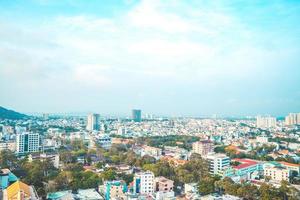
point(27, 142)
point(218, 163)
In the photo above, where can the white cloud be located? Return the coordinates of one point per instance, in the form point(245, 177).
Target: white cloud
point(154, 44)
point(91, 75)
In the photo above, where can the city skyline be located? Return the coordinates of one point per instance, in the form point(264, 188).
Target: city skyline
point(173, 58)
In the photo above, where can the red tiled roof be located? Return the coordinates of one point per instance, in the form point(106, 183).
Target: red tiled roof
point(244, 163)
point(290, 164)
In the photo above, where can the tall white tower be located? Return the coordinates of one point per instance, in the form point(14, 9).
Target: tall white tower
point(93, 122)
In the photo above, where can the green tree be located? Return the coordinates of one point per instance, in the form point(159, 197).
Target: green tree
point(109, 174)
point(248, 191)
point(206, 185)
point(8, 160)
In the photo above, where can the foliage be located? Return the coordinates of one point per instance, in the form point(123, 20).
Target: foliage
point(170, 140)
point(264, 192)
point(207, 185)
point(8, 159)
point(220, 149)
point(109, 174)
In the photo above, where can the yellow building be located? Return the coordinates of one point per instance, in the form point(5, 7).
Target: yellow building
point(277, 173)
point(291, 166)
point(19, 191)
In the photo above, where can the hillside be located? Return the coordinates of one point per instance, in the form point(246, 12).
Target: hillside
point(10, 114)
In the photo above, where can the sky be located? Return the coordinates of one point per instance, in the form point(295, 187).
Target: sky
point(166, 57)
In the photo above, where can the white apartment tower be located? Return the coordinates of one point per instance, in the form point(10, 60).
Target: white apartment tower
point(144, 182)
point(292, 118)
point(217, 163)
point(203, 147)
point(93, 122)
point(27, 142)
point(265, 122)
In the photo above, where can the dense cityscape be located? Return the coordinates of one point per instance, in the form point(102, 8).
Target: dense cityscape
point(149, 100)
point(145, 157)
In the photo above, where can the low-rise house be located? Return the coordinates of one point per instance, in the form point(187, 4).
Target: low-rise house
point(164, 188)
point(6, 178)
point(8, 145)
point(127, 169)
point(276, 173)
point(163, 184)
point(53, 157)
point(247, 169)
point(176, 152)
point(81, 194)
point(173, 161)
point(19, 190)
point(291, 166)
point(151, 151)
point(115, 189)
point(191, 191)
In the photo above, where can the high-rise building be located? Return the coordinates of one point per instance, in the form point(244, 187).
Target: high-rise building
point(265, 122)
point(292, 119)
point(137, 115)
point(143, 182)
point(27, 142)
point(217, 163)
point(203, 147)
point(93, 122)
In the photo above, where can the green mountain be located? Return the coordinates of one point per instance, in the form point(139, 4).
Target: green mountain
point(10, 114)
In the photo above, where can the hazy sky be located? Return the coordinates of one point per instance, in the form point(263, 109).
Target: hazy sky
point(201, 57)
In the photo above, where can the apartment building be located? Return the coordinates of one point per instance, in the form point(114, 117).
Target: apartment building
point(203, 147)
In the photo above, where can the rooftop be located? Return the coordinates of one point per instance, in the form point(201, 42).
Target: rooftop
point(244, 163)
point(289, 164)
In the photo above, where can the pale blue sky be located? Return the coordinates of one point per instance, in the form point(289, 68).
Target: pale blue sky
point(174, 57)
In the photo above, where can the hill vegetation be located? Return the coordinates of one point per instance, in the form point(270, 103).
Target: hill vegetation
point(10, 114)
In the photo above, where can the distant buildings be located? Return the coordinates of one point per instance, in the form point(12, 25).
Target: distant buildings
point(104, 141)
point(203, 147)
point(292, 119)
point(137, 115)
point(93, 122)
point(262, 139)
point(45, 116)
point(265, 122)
point(8, 145)
point(151, 151)
point(27, 142)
